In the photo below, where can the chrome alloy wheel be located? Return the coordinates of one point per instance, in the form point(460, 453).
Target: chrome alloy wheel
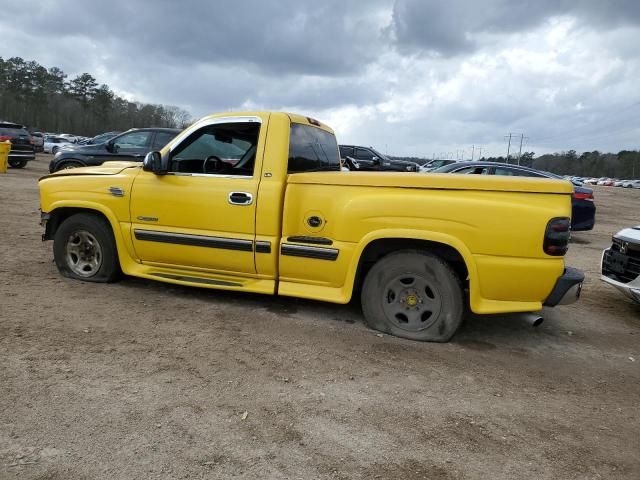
point(83, 253)
point(411, 302)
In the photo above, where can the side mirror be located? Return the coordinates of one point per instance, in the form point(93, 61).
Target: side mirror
point(375, 160)
point(109, 147)
point(154, 162)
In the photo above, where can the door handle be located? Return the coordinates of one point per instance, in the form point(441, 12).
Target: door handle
point(240, 198)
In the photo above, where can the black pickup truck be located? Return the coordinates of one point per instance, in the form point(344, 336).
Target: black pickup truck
point(367, 159)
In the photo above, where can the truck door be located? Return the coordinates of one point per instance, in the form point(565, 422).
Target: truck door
point(202, 212)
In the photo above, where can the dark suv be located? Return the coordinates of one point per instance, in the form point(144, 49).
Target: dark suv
point(131, 145)
point(367, 159)
point(22, 149)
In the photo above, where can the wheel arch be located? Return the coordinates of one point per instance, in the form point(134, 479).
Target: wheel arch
point(60, 164)
point(60, 214)
point(60, 211)
point(379, 244)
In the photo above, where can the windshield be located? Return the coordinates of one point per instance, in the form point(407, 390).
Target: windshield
point(379, 155)
point(444, 168)
point(13, 131)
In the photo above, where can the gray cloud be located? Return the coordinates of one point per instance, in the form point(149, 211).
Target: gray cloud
point(453, 27)
point(417, 76)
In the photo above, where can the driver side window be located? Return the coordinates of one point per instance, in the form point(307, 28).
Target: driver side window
point(132, 140)
point(221, 149)
point(363, 154)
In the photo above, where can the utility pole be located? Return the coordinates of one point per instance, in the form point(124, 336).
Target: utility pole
point(479, 153)
point(473, 150)
point(520, 152)
point(508, 147)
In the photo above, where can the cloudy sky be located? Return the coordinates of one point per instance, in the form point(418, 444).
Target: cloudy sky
point(411, 77)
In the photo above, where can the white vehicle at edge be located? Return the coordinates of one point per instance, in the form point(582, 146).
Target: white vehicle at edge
point(621, 262)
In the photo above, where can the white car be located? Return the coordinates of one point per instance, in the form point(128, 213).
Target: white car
point(53, 144)
point(621, 262)
point(631, 184)
point(68, 136)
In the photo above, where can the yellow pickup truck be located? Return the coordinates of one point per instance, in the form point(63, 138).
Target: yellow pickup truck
point(256, 202)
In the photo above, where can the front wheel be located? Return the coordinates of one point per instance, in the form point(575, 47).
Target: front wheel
point(84, 249)
point(54, 150)
point(415, 295)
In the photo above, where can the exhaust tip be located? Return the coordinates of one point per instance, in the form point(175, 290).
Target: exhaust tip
point(537, 321)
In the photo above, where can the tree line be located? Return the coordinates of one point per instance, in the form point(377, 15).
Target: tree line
point(624, 164)
point(45, 99)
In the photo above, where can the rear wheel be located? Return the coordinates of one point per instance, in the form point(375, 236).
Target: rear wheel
point(415, 295)
point(84, 249)
point(17, 163)
point(54, 150)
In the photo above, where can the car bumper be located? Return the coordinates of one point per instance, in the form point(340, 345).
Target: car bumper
point(13, 155)
point(567, 288)
point(631, 289)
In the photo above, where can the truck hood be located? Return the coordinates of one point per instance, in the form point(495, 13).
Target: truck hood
point(107, 168)
point(440, 181)
point(629, 234)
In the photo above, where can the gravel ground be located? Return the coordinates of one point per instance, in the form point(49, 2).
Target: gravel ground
point(146, 380)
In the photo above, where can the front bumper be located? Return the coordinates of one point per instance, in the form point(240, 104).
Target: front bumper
point(631, 289)
point(567, 288)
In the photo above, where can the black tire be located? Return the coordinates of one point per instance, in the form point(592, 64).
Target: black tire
point(54, 150)
point(70, 251)
point(415, 295)
point(70, 164)
point(19, 163)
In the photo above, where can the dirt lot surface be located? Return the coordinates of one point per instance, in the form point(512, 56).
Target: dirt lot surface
point(146, 380)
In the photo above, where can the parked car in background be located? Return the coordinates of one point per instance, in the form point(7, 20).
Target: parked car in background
point(38, 141)
point(631, 184)
point(54, 144)
point(102, 138)
point(367, 159)
point(131, 145)
point(583, 215)
point(621, 262)
point(68, 136)
point(22, 149)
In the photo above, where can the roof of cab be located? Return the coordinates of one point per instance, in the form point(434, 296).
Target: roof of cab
point(264, 115)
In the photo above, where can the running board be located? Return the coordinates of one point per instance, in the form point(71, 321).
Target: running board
point(204, 281)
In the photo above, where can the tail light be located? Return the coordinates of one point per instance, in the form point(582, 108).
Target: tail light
point(583, 196)
point(556, 236)
point(4, 138)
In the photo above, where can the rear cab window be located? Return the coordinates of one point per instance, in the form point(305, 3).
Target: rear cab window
point(312, 149)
